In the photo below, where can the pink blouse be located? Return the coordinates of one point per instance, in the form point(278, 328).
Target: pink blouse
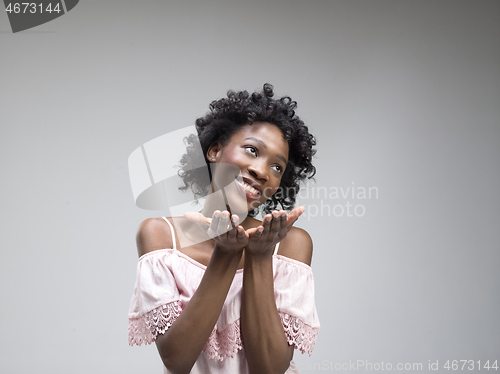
point(167, 279)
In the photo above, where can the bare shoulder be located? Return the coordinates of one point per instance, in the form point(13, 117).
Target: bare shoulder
point(297, 245)
point(153, 234)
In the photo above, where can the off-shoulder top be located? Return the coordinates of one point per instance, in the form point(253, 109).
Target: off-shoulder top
point(167, 279)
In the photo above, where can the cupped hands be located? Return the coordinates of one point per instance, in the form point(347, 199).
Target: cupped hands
point(224, 228)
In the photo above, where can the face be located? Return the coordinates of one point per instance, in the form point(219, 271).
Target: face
point(261, 154)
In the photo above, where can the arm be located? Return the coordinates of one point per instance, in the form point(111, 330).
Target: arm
point(266, 346)
point(180, 346)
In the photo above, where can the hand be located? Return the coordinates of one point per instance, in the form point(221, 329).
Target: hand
point(223, 228)
point(274, 228)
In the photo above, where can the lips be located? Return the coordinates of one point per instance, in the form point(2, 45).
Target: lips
point(253, 184)
point(249, 185)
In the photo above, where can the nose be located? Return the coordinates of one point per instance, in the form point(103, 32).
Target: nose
point(258, 170)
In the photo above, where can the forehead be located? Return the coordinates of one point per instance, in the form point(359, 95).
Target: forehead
point(268, 133)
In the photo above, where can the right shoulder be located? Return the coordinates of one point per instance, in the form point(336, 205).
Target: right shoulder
point(153, 234)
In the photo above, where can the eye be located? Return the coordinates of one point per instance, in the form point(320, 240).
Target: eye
point(278, 168)
point(251, 150)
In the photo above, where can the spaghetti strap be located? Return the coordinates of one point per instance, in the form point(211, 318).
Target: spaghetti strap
point(174, 245)
point(276, 248)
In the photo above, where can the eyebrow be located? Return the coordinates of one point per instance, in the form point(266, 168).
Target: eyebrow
point(279, 155)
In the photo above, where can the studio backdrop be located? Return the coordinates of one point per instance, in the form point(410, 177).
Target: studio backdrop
point(403, 99)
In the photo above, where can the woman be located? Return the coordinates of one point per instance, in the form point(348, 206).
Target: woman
point(224, 294)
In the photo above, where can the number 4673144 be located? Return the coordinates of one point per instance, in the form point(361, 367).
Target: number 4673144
point(32, 8)
point(470, 365)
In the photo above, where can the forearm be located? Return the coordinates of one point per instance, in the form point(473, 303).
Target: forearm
point(266, 347)
point(183, 342)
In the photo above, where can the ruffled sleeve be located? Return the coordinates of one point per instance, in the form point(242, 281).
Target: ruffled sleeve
point(155, 303)
point(294, 295)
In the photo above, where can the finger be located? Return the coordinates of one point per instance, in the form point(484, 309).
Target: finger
point(233, 226)
point(276, 222)
point(223, 223)
point(294, 216)
point(252, 230)
point(266, 223)
point(216, 218)
point(212, 231)
point(231, 234)
point(255, 233)
point(275, 226)
point(242, 235)
point(258, 232)
point(283, 228)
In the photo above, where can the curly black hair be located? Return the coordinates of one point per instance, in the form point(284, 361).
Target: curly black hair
point(241, 108)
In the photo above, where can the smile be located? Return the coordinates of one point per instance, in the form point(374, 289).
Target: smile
point(247, 187)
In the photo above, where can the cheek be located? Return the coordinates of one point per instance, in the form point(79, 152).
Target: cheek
point(232, 158)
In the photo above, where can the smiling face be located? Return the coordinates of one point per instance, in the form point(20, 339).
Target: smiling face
point(261, 153)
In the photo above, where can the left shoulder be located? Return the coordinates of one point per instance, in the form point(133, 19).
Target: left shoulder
point(297, 245)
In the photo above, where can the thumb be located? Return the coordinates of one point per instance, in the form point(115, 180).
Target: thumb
point(198, 218)
point(252, 230)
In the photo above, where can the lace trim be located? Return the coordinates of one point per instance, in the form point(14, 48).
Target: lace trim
point(220, 344)
point(228, 342)
point(299, 333)
point(146, 328)
point(225, 343)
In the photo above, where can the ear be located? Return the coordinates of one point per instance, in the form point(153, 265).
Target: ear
point(214, 151)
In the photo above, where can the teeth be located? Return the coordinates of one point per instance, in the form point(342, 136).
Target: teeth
point(249, 188)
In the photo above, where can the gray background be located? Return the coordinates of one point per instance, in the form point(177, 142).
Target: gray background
point(402, 95)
